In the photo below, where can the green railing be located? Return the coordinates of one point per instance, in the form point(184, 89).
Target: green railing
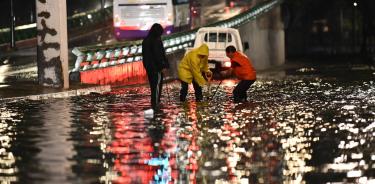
point(76, 21)
point(98, 56)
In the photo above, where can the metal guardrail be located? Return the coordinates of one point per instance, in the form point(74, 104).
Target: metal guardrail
point(76, 21)
point(93, 57)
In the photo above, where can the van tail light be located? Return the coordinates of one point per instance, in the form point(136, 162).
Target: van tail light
point(227, 64)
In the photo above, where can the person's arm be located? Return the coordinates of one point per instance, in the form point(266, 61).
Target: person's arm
point(196, 71)
point(207, 71)
point(234, 64)
point(159, 54)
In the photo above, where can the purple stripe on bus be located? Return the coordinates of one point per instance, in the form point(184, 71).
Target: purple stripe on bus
point(136, 34)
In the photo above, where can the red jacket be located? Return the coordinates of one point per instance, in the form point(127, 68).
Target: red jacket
point(242, 67)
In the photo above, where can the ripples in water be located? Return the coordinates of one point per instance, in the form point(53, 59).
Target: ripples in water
point(294, 130)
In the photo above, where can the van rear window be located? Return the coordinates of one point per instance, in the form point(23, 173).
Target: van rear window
point(210, 37)
point(213, 37)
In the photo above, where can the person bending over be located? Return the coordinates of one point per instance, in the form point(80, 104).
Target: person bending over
point(243, 69)
point(191, 70)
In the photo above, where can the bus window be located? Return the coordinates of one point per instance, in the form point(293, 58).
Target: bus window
point(176, 2)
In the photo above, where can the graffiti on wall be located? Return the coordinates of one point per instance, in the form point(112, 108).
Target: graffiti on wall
point(48, 50)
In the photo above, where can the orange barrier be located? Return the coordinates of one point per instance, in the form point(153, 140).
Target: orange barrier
point(123, 74)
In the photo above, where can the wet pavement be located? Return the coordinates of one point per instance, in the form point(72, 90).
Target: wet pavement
point(302, 124)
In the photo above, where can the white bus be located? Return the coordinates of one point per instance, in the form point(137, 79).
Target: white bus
point(133, 18)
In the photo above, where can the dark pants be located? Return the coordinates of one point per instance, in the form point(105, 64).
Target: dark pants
point(184, 91)
point(239, 92)
point(155, 80)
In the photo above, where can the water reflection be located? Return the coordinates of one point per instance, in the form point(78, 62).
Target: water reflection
point(301, 129)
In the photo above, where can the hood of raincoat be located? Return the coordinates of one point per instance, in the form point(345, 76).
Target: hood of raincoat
point(203, 50)
point(156, 31)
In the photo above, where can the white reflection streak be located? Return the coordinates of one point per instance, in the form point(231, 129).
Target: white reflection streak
point(7, 159)
point(369, 127)
point(296, 149)
point(354, 174)
point(340, 167)
point(56, 149)
point(103, 133)
point(3, 69)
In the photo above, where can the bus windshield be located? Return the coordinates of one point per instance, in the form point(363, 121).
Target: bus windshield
point(134, 11)
point(176, 2)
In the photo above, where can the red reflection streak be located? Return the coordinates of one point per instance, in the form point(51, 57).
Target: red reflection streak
point(133, 148)
point(268, 144)
point(168, 144)
point(122, 74)
point(191, 135)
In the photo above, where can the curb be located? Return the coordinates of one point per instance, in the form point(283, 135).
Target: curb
point(64, 94)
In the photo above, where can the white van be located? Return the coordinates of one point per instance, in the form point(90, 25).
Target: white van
point(217, 39)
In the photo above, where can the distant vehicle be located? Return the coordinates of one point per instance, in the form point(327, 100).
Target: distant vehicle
point(233, 3)
point(217, 39)
point(195, 8)
point(133, 18)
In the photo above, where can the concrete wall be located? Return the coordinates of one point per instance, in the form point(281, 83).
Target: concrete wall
point(266, 39)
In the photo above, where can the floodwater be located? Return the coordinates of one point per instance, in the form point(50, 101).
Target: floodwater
point(303, 125)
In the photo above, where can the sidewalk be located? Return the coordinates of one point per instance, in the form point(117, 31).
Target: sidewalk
point(30, 90)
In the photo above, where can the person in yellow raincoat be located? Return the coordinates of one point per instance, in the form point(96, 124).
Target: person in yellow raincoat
point(191, 70)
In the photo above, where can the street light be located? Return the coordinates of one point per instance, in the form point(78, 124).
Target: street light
point(355, 4)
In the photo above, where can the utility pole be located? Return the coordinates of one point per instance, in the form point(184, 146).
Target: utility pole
point(12, 25)
point(52, 49)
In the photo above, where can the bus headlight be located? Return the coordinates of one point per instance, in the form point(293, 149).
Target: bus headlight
point(116, 21)
point(170, 19)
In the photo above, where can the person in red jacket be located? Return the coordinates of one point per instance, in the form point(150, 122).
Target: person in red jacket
point(244, 71)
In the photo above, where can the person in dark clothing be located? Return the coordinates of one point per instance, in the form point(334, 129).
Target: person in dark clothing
point(155, 62)
point(244, 71)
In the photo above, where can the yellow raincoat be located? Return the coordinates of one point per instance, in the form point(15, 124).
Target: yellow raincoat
point(191, 66)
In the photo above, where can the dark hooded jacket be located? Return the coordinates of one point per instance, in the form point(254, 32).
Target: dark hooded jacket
point(153, 53)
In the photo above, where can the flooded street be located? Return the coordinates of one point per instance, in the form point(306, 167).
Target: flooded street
point(301, 125)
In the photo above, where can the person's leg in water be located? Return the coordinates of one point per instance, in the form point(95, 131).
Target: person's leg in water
point(246, 86)
point(197, 92)
point(236, 93)
point(160, 85)
point(183, 91)
point(155, 83)
point(240, 91)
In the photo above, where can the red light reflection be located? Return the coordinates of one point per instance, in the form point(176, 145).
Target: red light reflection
point(136, 146)
point(123, 74)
